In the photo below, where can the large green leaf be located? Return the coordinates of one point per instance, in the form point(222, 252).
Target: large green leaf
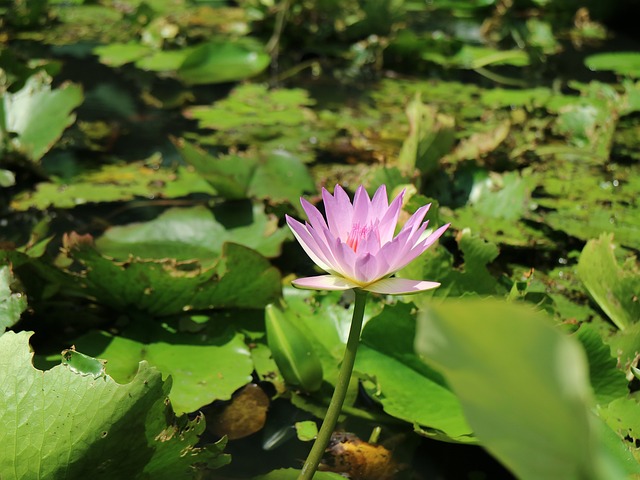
point(36, 115)
point(523, 386)
point(204, 367)
point(196, 233)
point(404, 385)
point(66, 424)
point(614, 288)
point(12, 304)
point(240, 277)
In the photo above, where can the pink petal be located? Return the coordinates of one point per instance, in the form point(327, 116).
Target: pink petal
point(366, 268)
point(307, 242)
point(361, 207)
point(419, 249)
point(396, 249)
point(414, 222)
point(389, 221)
point(400, 286)
point(339, 212)
point(313, 214)
point(322, 247)
point(380, 202)
point(323, 282)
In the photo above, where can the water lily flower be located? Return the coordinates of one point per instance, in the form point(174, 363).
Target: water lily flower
point(356, 245)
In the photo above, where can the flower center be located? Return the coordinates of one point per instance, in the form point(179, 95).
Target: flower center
point(359, 234)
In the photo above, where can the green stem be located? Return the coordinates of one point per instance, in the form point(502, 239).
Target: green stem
point(335, 406)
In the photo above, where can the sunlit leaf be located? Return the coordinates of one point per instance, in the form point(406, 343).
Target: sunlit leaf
point(12, 303)
point(206, 367)
point(219, 62)
point(35, 116)
point(607, 380)
point(615, 289)
point(112, 183)
point(406, 388)
point(103, 429)
point(196, 233)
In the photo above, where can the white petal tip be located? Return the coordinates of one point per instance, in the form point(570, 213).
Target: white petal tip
point(323, 282)
point(400, 286)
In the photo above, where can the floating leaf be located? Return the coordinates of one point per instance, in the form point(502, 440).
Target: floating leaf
point(35, 116)
point(239, 278)
point(196, 233)
point(218, 62)
point(205, 367)
point(276, 175)
point(103, 429)
point(118, 54)
point(615, 289)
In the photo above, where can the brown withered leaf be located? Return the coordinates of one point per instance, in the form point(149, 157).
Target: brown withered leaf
point(359, 460)
point(244, 415)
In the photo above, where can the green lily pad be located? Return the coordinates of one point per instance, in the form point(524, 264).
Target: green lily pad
point(218, 62)
point(614, 288)
point(12, 303)
point(102, 429)
point(34, 117)
point(402, 383)
point(240, 277)
point(524, 387)
point(196, 233)
point(276, 175)
point(204, 367)
point(118, 54)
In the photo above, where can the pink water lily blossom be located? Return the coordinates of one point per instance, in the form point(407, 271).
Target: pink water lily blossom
point(356, 245)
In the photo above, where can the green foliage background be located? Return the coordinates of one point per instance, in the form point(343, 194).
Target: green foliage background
point(149, 151)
